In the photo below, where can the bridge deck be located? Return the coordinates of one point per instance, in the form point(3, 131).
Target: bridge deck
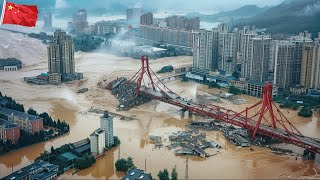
point(309, 143)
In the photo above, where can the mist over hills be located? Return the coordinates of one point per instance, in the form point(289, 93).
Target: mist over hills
point(291, 16)
point(242, 12)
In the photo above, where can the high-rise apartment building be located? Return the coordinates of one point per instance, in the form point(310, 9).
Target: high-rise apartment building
point(183, 23)
point(133, 16)
point(259, 58)
point(47, 21)
point(80, 21)
point(310, 67)
point(97, 142)
point(226, 60)
point(202, 50)
point(246, 42)
point(215, 48)
point(300, 42)
point(224, 27)
point(106, 123)
point(146, 19)
point(60, 56)
point(284, 56)
point(166, 36)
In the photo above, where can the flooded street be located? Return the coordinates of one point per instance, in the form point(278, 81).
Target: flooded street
point(154, 118)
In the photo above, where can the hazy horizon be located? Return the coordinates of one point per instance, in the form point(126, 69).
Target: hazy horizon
point(112, 6)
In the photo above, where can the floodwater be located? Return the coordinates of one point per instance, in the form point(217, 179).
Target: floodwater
point(154, 118)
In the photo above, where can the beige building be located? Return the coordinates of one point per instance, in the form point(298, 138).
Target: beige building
point(60, 57)
point(310, 67)
point(284, 56)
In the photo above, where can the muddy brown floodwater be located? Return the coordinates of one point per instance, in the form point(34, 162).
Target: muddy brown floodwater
point(155, 118)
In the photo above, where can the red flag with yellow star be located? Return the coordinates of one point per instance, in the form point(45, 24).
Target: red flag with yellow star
point(24, 15)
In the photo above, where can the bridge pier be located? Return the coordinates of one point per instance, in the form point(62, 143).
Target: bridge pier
point(308, 155)
point(183, 113)
point(317, 160)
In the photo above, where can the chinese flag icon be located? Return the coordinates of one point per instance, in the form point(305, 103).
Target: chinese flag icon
point(24, 15)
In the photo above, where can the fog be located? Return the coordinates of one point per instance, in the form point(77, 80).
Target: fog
point(154, 5)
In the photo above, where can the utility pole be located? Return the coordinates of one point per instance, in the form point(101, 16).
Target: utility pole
point(145, 165)
point(119, 152)
point(187, 169)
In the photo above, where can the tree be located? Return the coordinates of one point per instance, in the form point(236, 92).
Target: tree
point(174, 174)
point(184, 79)
point(164, 175)
point(214, 84)
point(116, 141)
point(305, 112)
point(85, 162)
point(125, 164)
point(32, 112)
point(236, 74)
point(234, 90)
point(121, 165)
point(52, 151)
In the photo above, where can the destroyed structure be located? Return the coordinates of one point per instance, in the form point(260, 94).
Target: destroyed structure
point(124, 91)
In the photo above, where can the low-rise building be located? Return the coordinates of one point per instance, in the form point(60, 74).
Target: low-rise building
point(97, 142)
point(54, 78)
point(9, 131)
point(298, 90)
point(136, 174)
point(40, 170)
point(254, 88)
point(26, 122)
point(10, 64)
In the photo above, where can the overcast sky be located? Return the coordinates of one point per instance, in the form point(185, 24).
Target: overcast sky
point(175, 5)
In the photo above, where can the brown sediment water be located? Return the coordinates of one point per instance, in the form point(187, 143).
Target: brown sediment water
point(155, 118)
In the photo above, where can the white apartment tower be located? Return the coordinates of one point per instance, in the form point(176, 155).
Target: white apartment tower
point(97, 142)
point(202, 49)
point(284, 56)
point(227, 47)
point(106, 123)
point(259, 58)
point(244, 52)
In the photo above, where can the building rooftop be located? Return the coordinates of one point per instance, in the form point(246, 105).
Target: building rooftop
point(7, 124)
point(23, 115)
point(68, 156)
point(136, 174)
point(256, 83)
point(80, 143)
point(97, 132)
point(24, 172)
point(10, 62)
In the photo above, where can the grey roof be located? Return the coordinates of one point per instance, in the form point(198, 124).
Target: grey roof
point(10, 62)
point(136, 174)
point(80, 143)
point(25, 116)
point(7, 124)
point(25, 172)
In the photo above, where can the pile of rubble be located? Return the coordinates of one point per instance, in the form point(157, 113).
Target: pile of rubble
point(191, 143)
point(124, 91)
point(237, 136)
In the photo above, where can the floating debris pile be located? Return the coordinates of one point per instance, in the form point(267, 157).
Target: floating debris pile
point(191, 143)
point(124, 91)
